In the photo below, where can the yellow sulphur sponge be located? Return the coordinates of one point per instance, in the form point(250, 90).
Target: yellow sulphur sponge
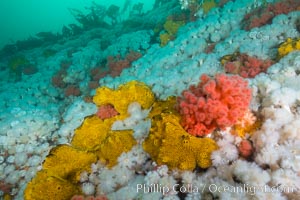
point(60, 174)
point(168, 143)
point(288, 46)
point(120, 98)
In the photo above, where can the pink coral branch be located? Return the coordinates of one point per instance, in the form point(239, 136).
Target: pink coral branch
point(106, 111)
point(213, 103)
point(247, 66)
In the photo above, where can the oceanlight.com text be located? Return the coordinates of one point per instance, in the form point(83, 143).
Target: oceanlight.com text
point(213, 188)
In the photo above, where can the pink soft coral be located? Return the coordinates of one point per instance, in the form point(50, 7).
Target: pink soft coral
point(247, 66)
point(265, 14)
point(214, 103)
point(106, 111)
point(117, 64)
point(245, 148)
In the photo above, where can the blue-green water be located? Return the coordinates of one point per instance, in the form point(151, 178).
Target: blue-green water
point(21, 19)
